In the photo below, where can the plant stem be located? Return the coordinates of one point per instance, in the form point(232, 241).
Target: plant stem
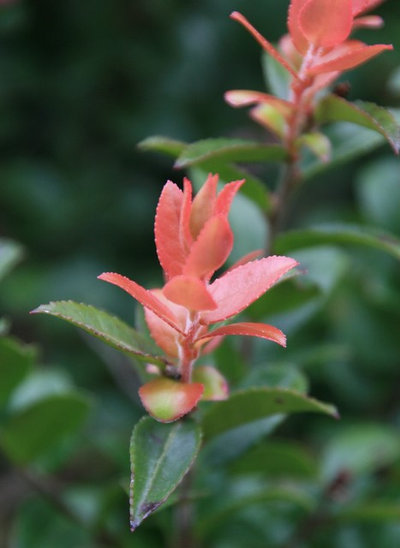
point(289, 178)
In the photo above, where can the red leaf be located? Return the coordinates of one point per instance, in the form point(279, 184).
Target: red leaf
point(170, 247)
point(296, 33)
point(238, 288)
point(211, 249)
point(353, 57)
point(167, 400)
point(189, 292)
point(361, 6)
point(243, 97)
point(263, 42)
point(145, 297)
point(203, 205)
point(249, 329)
point(225, 197)
point(368, 22)
point(257, 254)
point(326, 23)
point(165, 336)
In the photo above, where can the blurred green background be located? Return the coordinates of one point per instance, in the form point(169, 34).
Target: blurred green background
point(81, 84)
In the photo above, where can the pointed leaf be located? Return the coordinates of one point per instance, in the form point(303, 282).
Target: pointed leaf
point(211, 249)
point(248, 329)
point(203, 205)
point(146, 298)
point(338, 233)
point(158, 143)
point(267, 46)
point(39, 428)
point(104, 326)
point(333, 109)
point(354, 57)
point(161, 454)
point(238, 288)
point(230, 150)
point(244, 97)
point(167, 400)
point(170, 243)
point(257, 403)
point(361, 6)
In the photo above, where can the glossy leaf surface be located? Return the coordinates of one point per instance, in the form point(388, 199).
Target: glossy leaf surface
point(252, 404)
point(161, 454)
point(102, 325)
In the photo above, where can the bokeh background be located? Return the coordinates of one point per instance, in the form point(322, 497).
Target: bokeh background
point(81, 84)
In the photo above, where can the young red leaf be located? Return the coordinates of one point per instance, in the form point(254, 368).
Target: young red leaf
point(263, 42)
point(167, 400)
point(368, 22)
point(145, 297)
point(243, 97)
point(225, 197)
point(203, 205)
point(325, 23)
point(167, 229)
point(346, 60)
point(264, 331)
point(211, 249)
point(238, 288)
point(361, 6)
point(189, 292)
point(296, 32)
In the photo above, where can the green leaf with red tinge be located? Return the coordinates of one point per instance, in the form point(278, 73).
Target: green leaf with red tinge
point(167, 400)
point(161, 454)
point(336, 109)
point(230, 150)
point(338, 233)
point(252, 404)
point(104, 326)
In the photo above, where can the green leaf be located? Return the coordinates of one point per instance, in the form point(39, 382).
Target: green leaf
point(280, 375)
point(16, 361)
point(277, 459)
point(338, 233)
point(257, 403)
point(104, 326)
point(10, 254)
point(277, 78)
point(336, 109)
point(348, 142)
point(229, 150)
point(161, 454)
point(39, 428)
point(165, 145)
point(317, 143)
